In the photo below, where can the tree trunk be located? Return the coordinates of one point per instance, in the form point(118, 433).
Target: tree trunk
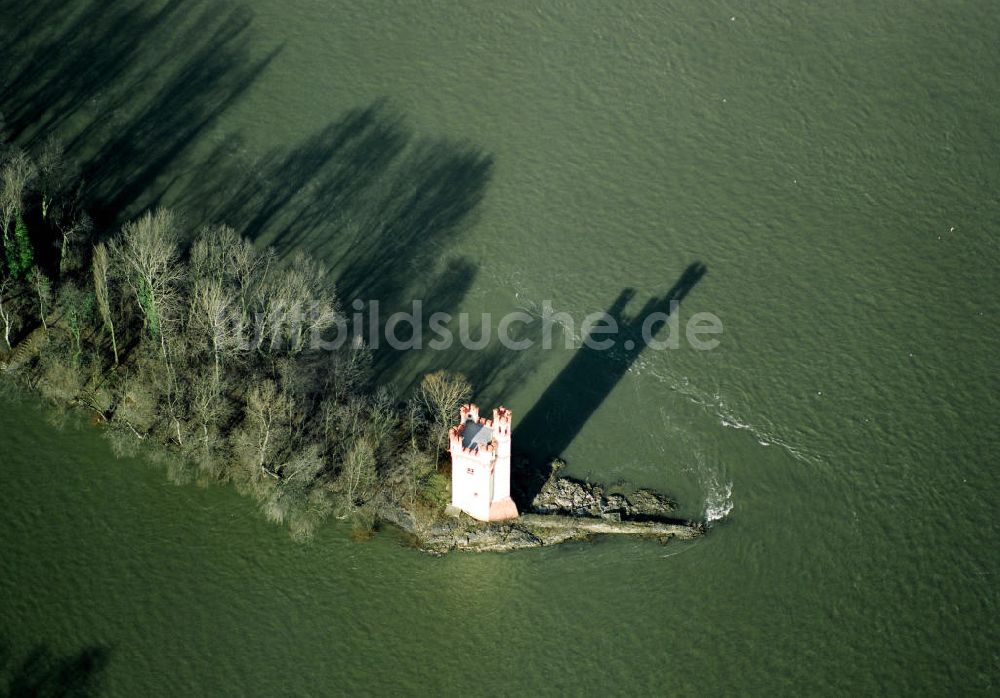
point(114, 342)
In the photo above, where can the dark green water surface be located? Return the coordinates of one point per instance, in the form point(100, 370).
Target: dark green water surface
point(833, 164)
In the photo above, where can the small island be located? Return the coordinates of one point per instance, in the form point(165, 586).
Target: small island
point(193, 347)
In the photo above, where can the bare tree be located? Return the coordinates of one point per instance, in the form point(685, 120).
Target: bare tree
point(264, 419)
point(321, 316)
point(250, 270)
point(210, 253)
point(221, 254)
point(412, 466)
point(443, 393)
point(53, 173)
point(297, 301)
point(148, 249)
point(358, 476)
point(76, 307)
point(174, 394)
point(274, 310)
point(7, 286)
point(212, 311)
point(102, 292)
point(206, 409)
point(72, 229)
point(136, 402)
point(16, 176)
point(289, 499)
point(42, 287)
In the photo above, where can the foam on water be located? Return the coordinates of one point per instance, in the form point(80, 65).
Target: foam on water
point(765, 435)
point(718, 501)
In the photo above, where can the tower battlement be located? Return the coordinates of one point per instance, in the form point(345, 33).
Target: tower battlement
point(501, 422)
point(467, 412)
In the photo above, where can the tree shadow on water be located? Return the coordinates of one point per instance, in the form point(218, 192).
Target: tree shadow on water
point(42, 673)
point(377, 205)
point(562, 411)
point(127, 86)
point(133, 88)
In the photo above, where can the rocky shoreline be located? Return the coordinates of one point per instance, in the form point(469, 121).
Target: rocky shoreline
point(564, 510)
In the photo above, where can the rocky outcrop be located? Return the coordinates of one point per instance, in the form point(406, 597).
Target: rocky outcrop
point(537, 530)
point(563, 495)
point(564, 510)
point(527, 531)
point(464, 535)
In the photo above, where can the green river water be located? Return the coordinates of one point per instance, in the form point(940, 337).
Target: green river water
point(832, 164)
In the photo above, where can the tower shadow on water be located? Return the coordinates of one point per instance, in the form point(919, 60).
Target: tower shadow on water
point(584, 383)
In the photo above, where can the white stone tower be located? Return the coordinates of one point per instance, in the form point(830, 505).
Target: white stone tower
point(480, 465)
